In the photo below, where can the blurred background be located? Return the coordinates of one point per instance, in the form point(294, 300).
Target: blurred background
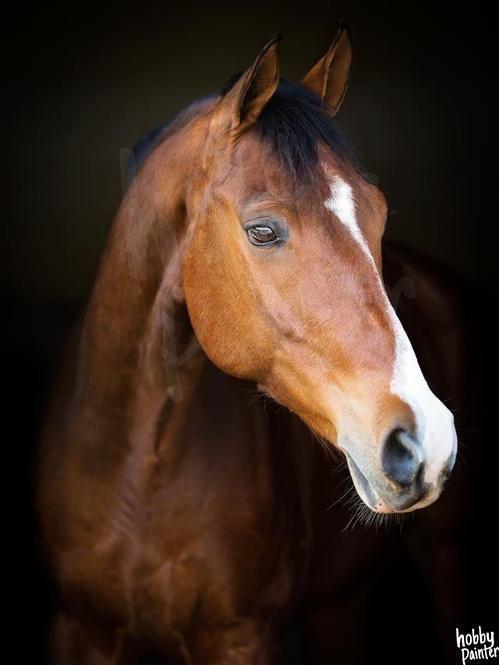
point(85, 81)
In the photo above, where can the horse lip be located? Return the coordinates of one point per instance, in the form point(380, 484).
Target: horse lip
point(447, 470)
point(371, 498)
point(362, 485)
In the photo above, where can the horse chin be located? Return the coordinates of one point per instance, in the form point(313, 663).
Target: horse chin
point(364, 488)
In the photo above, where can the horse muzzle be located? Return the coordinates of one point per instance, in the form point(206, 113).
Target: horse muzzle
point(398, 483)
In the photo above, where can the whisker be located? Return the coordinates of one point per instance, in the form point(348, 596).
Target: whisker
point(352, 517)
point(349, 492)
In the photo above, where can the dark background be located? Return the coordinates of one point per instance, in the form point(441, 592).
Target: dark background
point(86, 81)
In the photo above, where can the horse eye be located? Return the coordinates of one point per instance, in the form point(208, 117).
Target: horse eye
point(261, 235)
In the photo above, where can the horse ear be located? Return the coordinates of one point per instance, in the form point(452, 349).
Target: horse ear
point(243, 103)
point(329, 77)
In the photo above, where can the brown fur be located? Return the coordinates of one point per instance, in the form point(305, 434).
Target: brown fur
point(177, 518)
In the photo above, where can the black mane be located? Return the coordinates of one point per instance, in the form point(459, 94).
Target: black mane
point(295, 120)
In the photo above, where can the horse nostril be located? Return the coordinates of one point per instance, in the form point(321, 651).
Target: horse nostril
point(402, 457)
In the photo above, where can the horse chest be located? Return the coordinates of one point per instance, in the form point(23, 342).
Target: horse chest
point(221, 537)
point(217, 531)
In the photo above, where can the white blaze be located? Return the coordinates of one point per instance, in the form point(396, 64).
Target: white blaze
point(434, 422)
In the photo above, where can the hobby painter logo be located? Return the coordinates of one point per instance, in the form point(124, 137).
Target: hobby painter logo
point(477, 645)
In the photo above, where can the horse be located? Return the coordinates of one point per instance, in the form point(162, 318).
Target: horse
point(245, 260)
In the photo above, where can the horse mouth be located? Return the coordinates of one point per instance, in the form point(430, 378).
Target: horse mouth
point(403, 503)
point(363, 486)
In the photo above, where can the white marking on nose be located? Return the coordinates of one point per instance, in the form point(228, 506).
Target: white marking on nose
point(434, 421)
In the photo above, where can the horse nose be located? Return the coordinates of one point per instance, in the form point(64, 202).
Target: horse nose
point(402, 457)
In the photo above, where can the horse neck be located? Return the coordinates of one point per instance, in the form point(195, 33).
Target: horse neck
point(126, 366)
point(124, 405)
